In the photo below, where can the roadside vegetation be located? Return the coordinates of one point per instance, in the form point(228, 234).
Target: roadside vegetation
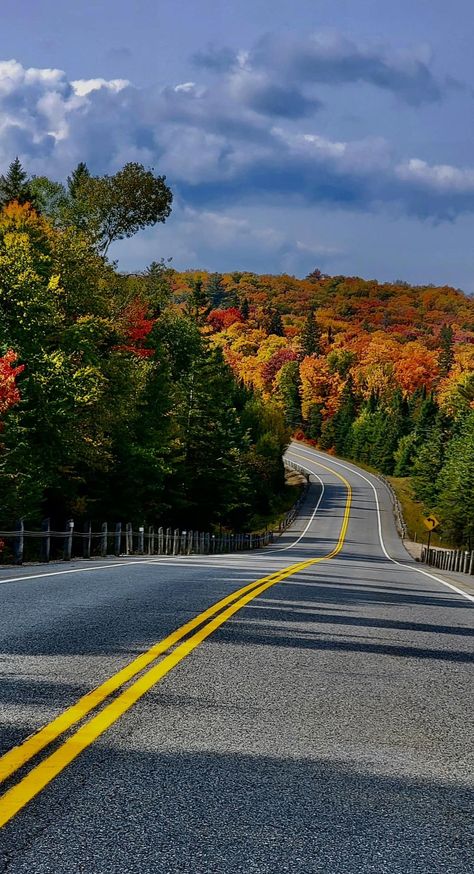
point(171, 396)
point(114, 404)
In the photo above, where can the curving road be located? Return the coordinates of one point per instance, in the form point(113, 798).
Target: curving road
point(310, 709)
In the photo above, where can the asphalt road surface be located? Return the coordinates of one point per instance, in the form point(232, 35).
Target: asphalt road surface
point(319, 721)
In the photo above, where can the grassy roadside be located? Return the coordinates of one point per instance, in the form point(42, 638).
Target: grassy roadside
point(294, 483)
point(412, 510)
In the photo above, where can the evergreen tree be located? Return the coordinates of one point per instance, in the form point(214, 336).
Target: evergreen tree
point(310, 336)
point(455, 484)
point(273, 322)
point(289, 393)
point(215, 291)
point(15, 185)
point(245, 309)
point(198, 305)
point(344, 418)
point(446, 355)
point(77, 178)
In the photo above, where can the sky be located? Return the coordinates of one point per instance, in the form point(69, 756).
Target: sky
point(294, 134)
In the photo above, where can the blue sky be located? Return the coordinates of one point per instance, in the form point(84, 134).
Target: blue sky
point(294, 134)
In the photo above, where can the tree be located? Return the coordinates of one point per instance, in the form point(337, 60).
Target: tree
point(288, 390)
point(198, 305)
point(115, 207)
point(15, 185)
point(245, 309)
point(215, 291)
point(76, 180)
point(455, 486)
point(446, 355)
point(310, 336)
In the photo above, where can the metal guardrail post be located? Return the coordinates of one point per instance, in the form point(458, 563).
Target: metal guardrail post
point(160, 541)
point(141, 539)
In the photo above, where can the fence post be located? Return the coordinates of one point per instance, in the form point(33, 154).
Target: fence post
point(68, 540)
point(128, 538)
point(175, 541)
point(46, 540)
point(182, 542)
point(118, 538)
point(103, 540)
point(160, 541)
point(141, 539)
point(19, 542)
point(87, 541)
point(151, 540)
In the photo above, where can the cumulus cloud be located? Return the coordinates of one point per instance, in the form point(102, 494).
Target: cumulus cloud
point(243, 136)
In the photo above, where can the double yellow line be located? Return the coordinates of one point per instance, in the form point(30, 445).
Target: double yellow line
point(185, 639)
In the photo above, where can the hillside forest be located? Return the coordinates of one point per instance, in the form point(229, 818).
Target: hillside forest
point(171, 396)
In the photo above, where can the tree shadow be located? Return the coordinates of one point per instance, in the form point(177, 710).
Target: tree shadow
point(206, 812)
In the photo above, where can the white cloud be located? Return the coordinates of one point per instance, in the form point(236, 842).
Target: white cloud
point(83, 87)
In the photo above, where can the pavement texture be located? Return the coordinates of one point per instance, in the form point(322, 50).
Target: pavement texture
point(325, 727)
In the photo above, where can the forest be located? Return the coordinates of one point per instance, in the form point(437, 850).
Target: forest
point(381, 373)
point(170, 396)
point(114, 404)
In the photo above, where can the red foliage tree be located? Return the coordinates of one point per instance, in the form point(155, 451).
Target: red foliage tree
point(9, 392)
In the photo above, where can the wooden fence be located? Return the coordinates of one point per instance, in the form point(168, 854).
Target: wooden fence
point(69, 542)
point(457, 560)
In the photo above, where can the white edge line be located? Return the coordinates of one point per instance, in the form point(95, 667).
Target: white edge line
point(382, 543)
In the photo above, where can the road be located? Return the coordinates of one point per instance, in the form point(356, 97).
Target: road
point(321, 721)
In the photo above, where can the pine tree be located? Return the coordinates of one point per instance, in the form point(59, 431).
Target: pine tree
point(273, 323)
point(215, 290)
point(15, 185)
point(77, 178)
point(310, 336)
point(289, 392)
point(198, 306)
point(344, 417)
point(446, 355)
point(245, 309)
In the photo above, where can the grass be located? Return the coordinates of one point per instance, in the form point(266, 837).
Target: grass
point(413, 511)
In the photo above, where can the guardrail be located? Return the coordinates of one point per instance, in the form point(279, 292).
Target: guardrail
point(456, 560)
point(48, 544)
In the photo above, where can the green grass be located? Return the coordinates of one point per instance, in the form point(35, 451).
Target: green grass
point(413, 511)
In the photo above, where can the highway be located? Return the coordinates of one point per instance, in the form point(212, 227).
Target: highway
point(303, 708)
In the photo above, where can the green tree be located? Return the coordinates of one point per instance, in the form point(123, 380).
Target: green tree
point(289, 394)
point(310, 338)
point(16, 186)
point(455, 485)
point(115, 207)
point(446, 355)
point(76, 180)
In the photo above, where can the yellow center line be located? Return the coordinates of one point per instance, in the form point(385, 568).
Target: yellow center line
point(43, 773)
